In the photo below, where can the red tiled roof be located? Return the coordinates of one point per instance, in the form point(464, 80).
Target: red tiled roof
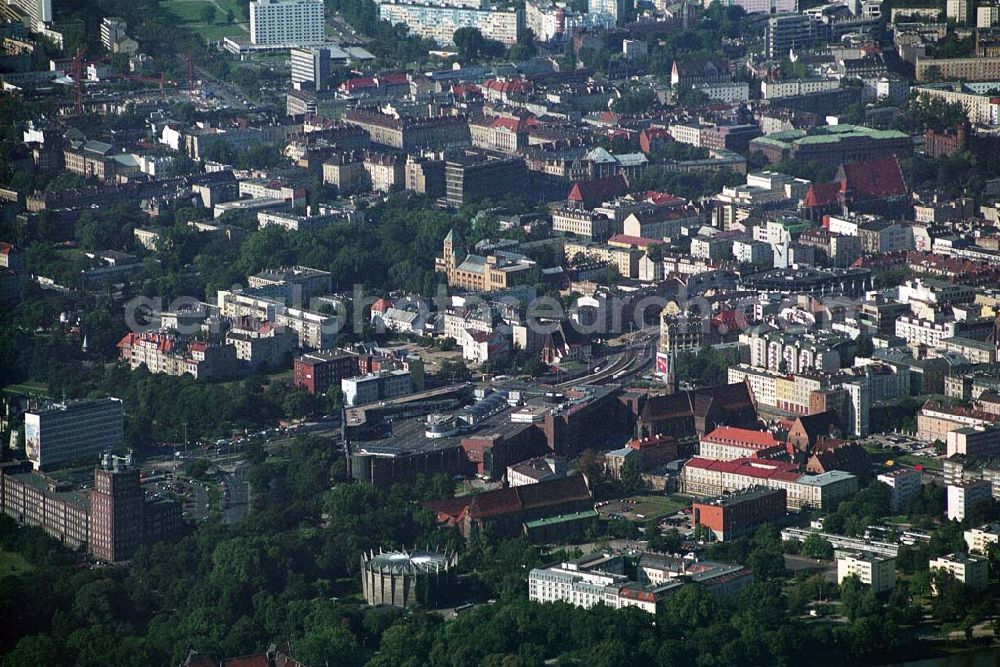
point(638, 241)
point(515, 499)
point(873, 179)
point(598, 189)
point(822, 194)
point(247, 661)
point(511, 87)
point(381, 305)
point(515, 124)
point(657, 133)
point(651, 441)
point(463, 89)
point(393, 79)
point(759, 468)
point(127, 340)
point(743, 437)
point(661, 198)
point(732, 319)
point(359, 82)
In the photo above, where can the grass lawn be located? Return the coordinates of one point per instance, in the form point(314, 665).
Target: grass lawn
point(898, 519)
point(188, 13)
point(12, 564)
point(31, 388)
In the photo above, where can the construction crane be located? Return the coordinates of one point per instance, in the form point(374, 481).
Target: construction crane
point(78, 80)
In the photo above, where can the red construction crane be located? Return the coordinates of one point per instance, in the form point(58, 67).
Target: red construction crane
point(78, 80)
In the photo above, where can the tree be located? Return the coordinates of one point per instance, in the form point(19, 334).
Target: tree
point(208, 13)
point(857, 599)
point(229, 16)
point(631, 475)
point(469, 42)
point(454, 371)
point(817, 546)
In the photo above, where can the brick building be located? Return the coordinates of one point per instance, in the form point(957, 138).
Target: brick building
point(318, 371)
point(112, 519)
point(737, 514)
point(506, 510)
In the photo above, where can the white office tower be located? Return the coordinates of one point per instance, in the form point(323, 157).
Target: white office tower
point(287, 22)
point(40, 11)
point(72, 431)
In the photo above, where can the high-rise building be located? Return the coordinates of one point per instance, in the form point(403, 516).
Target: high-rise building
point(116, 510)
point(964, 496)
point(786, 32)
point(40, 11)
point(71, 431)
point(310, 68)
point(287, 22)
point(113, 29)
point(905, 484)
point(958, 11)
point(470, 178)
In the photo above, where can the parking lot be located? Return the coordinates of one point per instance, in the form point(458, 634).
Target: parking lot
point(640, 508)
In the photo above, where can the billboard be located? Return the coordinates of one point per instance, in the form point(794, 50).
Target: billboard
point(31, 437)
point(662, 364)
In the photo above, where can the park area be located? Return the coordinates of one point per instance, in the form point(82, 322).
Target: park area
point(13, 564)
point(640, 508)
point(210, 18)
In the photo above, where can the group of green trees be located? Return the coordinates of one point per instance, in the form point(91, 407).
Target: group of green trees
point(290, 573)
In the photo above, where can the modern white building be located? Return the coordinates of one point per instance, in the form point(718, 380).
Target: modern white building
point(72, 430)
point(764, 6)
point(964, 496)
point(905, 485)
point(382, 386)
point(439, 21)
point(287, 22)
point(871, 569)
point(599, 579)
point(773, 90)
point(978, 540)
point(40, 11)
point(970, 569)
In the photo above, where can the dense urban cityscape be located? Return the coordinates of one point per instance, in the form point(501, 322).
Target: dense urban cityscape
point(500, 332)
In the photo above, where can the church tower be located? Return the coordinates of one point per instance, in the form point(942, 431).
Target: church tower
point(454, 251)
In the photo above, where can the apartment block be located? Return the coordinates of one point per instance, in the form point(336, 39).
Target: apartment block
point(873, 570)
point(970, 569)
point(905, 484)
point(439, 22)
point(287, 22)
point(978, 540)
point(965, 495)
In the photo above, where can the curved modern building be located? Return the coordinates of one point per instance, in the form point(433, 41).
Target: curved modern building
point(408, 579)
